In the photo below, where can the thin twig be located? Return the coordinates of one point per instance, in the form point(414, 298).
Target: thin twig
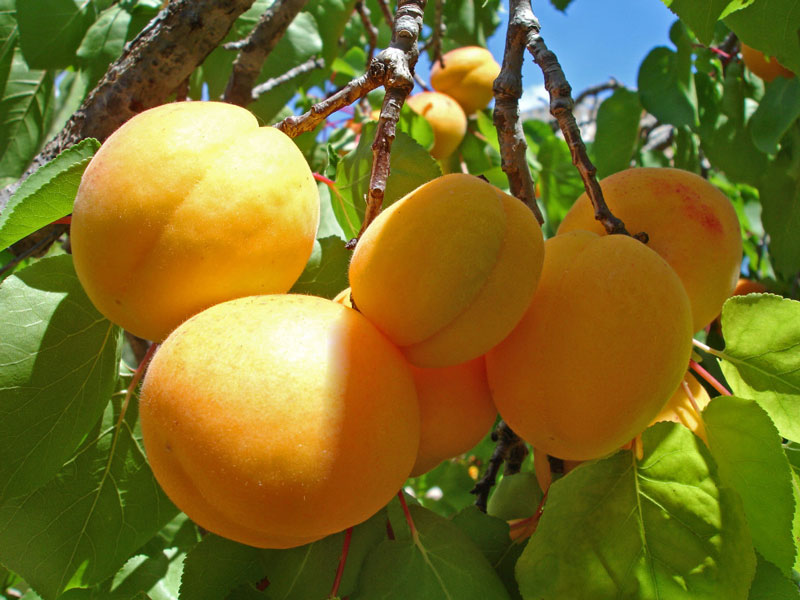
point(48, 238)
point(372, 31)
point(311, 64)
point(561, 106)
point(254, 50)
point(387, 14)
point(507, 92)
point(611, 84)
point(438, 34)
point(509, 445)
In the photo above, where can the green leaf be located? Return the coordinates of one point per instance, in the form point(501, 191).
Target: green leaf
point(699, 15)
point(770, 26)
point(104, 41)
point(489, 533)
point(515, 497)
point(748, 452)
point(440, 562)
point(50, 31)
point(770, 584)
point(59, 361)
point(9, 33)
point(762, 355)
point(47, 195)
point(469, 22)
point(326, 272)
point(561, 4)
point(663, 91)
point(778, 109)
point(779, 191)
point(331, 17)
point(411, 166)
point(24, 112)
point(82, 526)
point(662, 527)
point(216, 566)
point(617, 132)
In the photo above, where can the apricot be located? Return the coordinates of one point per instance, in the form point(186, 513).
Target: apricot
point(681, 409)
point(448, 270)
point(601, 348)
point(766, 67)
point(691, 224)
point(277, 420)
point(748, 286)
point(468, 76)
point(187, 205)
point(447, 119)
point(456, 411)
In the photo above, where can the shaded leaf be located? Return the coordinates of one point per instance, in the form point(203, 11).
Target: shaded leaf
point(326, 272)
point(778, 109)
point(770, 26)
point(762, 355)
point(770, 584)
point(699, 15)
point(47, 194)
point(779, 191)
point(662, 527)
point(748, 452)
point(662, 90)
point(617, 132)
point(58, 364)
point(216, 566)
point(9, 34)
point(51, 30)
point(104, 41)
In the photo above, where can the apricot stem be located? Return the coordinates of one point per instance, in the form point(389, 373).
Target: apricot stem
point(407, 513)
point(507, 92)
point(348, 534)
point(709, 378)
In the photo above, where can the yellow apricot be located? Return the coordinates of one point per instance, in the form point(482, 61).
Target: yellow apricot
point(456, 411)
point(544, 474)
point(684, 410)
point(767, 68)
point(187, 205)
point(468, 76)
point(448, 270)
point(603, 345)
point(277, 420)
point(691, 224)
point(447, 119)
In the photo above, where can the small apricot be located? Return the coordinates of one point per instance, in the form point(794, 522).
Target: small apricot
point(767, 68)
point(690, 223)
point(447, 119)
point(187, 205)
point(277, 420)
point(603, 345)
point(448, 270)
point(468, 76)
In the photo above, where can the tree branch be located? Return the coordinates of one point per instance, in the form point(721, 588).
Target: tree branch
point(254, 50)
point(310, 65)
point(561, 108)
point(511, 450)
point(372, 31)
point(507, 92)
point(152, 66)
point(387, 14)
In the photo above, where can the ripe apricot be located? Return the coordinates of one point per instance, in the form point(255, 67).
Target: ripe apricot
point(748, 286)
point(277, 420)
point(691, 224)
point(447, 119)
point(468, 76)
point(187, 205)
point(767, 68)
point(681, 409)
point(448, 270)
point(601, 348)
point(456, 411)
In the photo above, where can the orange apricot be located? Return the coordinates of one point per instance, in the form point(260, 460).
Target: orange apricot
point(691, 224)
point(187, 205)
point(601, 348)
point(277, 420)
point(456, 411)
point(448, 270)
point(447, 119)
point(468, 76)
point(680, 408)
point(766, 67)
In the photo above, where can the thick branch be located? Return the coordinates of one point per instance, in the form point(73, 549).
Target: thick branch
point(151, 68)
point(561, 108)
point(511, 450)
point(400, 58)
point(507, 92)
point(256, 47)
point(310, 65)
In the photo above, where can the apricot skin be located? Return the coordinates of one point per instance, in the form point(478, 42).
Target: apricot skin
point(278, 420)
point(468, 76)
point(187, 205)
point(603, 345)
point(766, 68)
point(448, 270)
point(691, 224)
point(679, 408)
point(447, 119)
point(456, 411)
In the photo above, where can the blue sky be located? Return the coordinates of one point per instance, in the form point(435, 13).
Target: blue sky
point(594, 40)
